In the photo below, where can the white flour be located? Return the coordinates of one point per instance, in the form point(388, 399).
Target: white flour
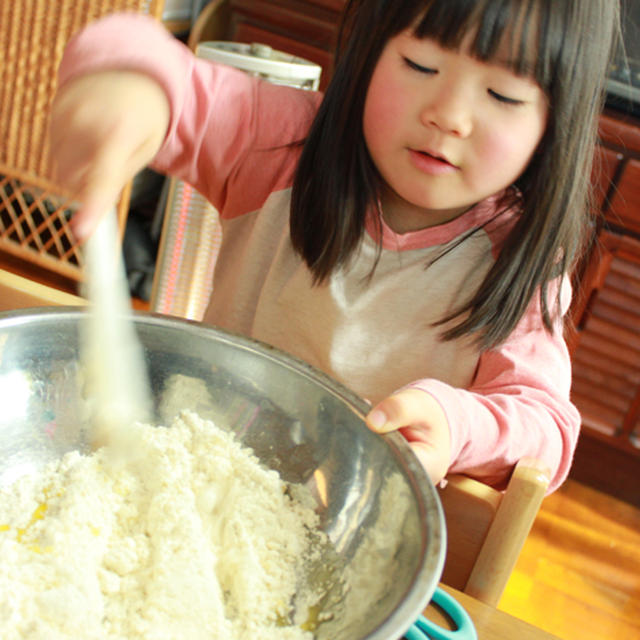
point(193, 539)
point(116, 385)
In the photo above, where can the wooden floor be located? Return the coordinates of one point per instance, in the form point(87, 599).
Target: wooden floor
point(578, 576)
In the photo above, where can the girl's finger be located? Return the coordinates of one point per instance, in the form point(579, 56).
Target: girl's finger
point(404, 408)
point(103, 182)
point(93, 207)
point(420, 419)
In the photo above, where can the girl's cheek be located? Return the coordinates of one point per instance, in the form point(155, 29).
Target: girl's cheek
point(506, 153)
point(386, 94)
point(381, 117)
point(380, 104)
point(496, 146)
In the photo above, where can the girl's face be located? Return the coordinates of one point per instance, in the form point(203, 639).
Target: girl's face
point(445, 130)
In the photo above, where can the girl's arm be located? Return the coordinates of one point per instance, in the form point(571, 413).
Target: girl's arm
point(517, 406)
point(194, 119)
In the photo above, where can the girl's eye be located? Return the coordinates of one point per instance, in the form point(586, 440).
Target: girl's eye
point(504, 99)
point(416, 67)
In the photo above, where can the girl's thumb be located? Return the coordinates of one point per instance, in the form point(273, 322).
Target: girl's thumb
point(88, 216)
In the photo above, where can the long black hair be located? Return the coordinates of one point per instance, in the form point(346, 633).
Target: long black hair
point(565, 45)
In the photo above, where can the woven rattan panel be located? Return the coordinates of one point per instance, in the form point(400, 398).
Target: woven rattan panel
point(34, 211)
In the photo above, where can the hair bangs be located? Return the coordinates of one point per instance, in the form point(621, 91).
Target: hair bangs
point(516, 34)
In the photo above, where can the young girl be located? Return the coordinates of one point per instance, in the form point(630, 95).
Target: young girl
point(410, 233)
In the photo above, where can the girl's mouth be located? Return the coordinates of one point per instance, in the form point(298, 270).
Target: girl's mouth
point(435, 156)
point(430, 163)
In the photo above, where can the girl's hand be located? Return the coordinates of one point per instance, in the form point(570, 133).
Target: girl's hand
point(105, 127)
point(420, 419)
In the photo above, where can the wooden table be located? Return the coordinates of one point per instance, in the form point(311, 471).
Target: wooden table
point(490, 623)
point(17, 292)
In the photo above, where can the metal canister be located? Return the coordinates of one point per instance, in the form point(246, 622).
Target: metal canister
point(183, 277)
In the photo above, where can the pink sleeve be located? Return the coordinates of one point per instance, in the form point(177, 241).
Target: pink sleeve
point(517, 406)
point(228, 134)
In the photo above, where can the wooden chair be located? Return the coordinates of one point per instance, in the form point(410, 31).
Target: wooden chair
point(34, 209)
point(486, 528)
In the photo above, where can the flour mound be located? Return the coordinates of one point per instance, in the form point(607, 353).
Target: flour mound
point(193, 539)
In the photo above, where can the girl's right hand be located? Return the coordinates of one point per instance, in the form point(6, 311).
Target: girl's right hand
point(105, 127)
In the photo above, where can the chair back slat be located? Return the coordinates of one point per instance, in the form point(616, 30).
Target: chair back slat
point(34, 210)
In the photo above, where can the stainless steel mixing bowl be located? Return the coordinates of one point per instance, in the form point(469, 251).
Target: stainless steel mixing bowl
point(375, 501)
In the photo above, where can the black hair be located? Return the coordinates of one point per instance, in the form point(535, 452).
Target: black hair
point(336, 182)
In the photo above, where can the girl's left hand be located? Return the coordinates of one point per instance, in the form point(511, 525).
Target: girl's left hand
point(418, 416)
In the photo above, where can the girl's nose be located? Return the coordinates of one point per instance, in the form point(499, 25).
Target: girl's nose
point(450, 111)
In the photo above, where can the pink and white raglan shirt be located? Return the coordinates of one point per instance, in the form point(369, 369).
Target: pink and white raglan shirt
point(229, 136)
